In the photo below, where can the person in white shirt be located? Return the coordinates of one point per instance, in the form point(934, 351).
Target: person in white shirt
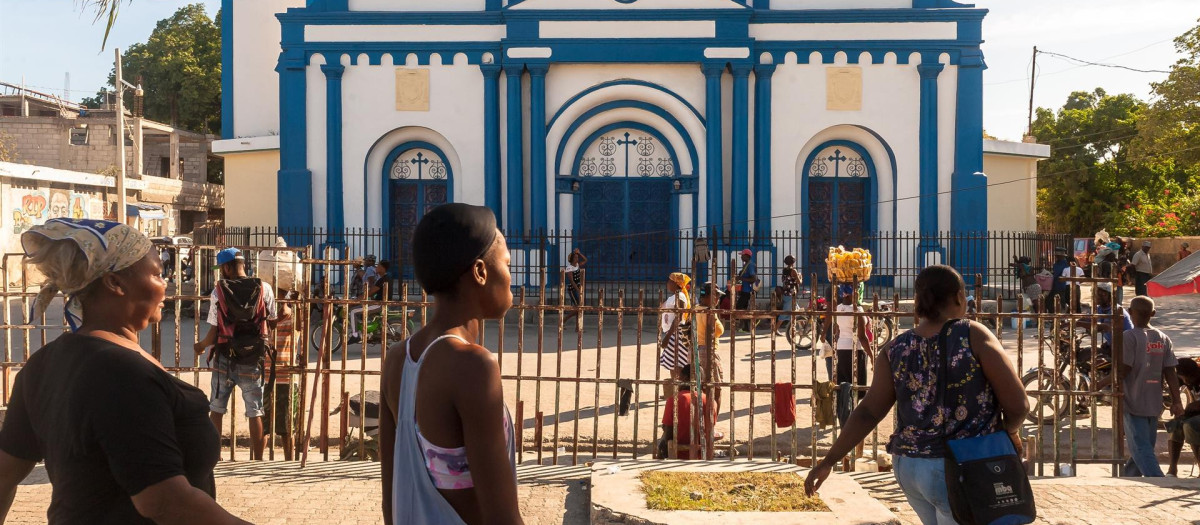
point(1143, 268)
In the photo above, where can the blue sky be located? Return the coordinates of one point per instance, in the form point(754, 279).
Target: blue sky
point(44, 39)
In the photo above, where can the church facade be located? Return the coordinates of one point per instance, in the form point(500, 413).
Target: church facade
point(727, 118)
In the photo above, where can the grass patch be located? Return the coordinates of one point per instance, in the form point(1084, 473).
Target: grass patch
point(728, 491)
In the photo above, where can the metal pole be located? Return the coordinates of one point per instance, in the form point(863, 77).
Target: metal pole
point(120, 133)
point(1032, 85)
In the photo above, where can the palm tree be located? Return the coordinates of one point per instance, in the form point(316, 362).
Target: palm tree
point(104, 9)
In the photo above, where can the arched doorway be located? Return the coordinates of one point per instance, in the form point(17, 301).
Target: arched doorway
point(626, 207)
point(838, 187)
point(417, 178)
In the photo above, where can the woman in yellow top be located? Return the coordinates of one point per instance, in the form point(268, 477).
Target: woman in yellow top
point(707, 298)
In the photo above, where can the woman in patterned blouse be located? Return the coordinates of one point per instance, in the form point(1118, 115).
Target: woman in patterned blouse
point(984, 395)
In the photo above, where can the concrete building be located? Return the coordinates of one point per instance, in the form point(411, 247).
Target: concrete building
point(610, 118)
point(166, 167)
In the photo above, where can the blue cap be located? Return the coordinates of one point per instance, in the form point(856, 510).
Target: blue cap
point(845, 289)
point(229, 255)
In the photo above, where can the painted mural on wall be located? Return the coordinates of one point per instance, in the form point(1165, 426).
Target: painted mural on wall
point(31, 207)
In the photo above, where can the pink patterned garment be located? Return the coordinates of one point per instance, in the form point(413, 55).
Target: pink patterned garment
point(448, 466)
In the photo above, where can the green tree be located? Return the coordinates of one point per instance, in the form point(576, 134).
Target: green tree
point(105, 9)
point(1170, 126)
point(1091, 173)
point(180, 70)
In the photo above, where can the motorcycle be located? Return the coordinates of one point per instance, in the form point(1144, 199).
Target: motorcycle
point(800, 330)
point(397, 325)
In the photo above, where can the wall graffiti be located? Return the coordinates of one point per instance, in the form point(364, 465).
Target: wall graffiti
point(31, 207)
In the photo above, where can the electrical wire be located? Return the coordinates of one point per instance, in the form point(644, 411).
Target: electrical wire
point(1100, 64)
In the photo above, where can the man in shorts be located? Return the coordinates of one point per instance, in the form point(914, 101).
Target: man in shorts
point(1029, 285)
point(1148, 360)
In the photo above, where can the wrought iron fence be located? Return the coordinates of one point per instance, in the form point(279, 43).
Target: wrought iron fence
point(634, 261)
point(584, 381)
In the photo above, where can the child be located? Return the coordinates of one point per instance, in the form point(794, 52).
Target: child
point(1148, 358)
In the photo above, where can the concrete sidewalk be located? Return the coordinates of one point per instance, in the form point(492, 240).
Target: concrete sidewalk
point(349, 493)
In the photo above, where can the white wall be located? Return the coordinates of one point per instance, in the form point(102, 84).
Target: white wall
point(838, 4)
point(372, 126)
point(947, 130)
point(417, 5)
point(256, 36)
point(642, 4)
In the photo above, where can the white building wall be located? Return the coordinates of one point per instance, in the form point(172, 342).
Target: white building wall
point(256, 37)
point(417, 5)
point(801, 122)
point(315, 108)
point(453, 123)
point(947, 131)
point(839, 4)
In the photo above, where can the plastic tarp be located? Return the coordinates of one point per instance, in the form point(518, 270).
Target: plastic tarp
point(1182, 278)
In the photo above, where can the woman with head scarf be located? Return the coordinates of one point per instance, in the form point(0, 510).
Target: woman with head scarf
point(675, 343)
point(446, 437)
point(123, 440)
point(985, 394)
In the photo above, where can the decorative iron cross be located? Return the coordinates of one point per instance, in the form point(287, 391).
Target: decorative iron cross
point(420, 162)
point(627, 143)
point(837, 159)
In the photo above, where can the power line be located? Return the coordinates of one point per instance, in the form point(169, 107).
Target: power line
point(897, 199)
point(1100, 64)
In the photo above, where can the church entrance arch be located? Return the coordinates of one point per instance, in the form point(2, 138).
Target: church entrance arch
point(626, 205)
point(417, 179)
point(839, 186)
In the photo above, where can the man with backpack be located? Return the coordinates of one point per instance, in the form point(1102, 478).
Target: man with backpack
point(241, 312)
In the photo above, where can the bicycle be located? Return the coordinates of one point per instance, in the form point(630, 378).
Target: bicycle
point(397, 327)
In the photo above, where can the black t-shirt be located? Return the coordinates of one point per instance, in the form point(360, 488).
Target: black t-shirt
point(108, 424)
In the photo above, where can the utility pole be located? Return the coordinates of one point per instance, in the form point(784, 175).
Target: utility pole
point(120, 85)
point(1032, 84)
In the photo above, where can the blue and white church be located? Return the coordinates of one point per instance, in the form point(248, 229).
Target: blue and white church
point(611, 117)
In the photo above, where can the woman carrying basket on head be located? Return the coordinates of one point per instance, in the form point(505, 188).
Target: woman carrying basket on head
point(675, 346)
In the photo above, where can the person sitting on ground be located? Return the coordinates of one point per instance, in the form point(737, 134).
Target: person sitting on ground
point(446, 438)
point(709, 296)
point(1186, 428)
point(1148, 358)
point(907, 376)
point(374, 292)
point(240, 308)
point(688, 434)
point(123, 440)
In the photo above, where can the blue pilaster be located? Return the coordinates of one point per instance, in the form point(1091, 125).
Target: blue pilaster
point(740, 192)
point(227, 129)
point(515, 140)
point(294, 182)
point(714, 186)
point(762, 152)
point(493, 5)
point(335, 217)
point(968, 202)
point(537, 147)
point(491, 141)
point(929, 70)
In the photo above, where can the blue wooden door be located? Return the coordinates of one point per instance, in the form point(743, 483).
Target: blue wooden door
point(837, 209)
point(624, 224)
point(410, 201)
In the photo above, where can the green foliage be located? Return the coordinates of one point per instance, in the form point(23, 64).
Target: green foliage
point(105, 9)
point(180, 68)
point(1125, 165)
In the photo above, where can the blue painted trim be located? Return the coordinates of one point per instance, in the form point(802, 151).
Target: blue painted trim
point(777, 16)
point(929, 71)
point(515, 140)
point(313, 17)
point(493, 185)
point(871, 221)
point(740, 193)
point(714, 168)
point(333, 51)
point(618, 104)
point(537, 148)
point(732, 13)
point(762, 151)
point(228, 131)
point(622, 82)
point(386, 195)
point(626, 125)
point(335, 218)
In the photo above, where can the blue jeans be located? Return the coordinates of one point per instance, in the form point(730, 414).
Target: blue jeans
point(786, 306)
point(1140, 434)
point(923, 481)
point(248, 378)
